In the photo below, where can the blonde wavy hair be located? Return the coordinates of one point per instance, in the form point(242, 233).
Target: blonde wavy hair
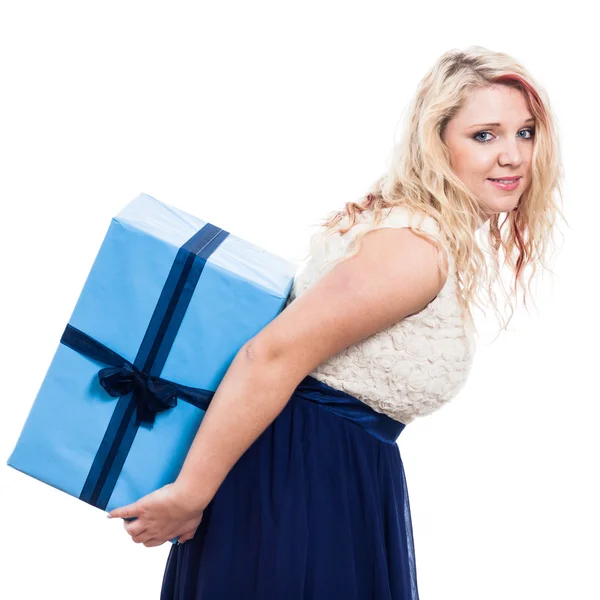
point(420, 177)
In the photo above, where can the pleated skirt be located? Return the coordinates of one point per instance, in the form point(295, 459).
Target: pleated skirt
point(317, 508)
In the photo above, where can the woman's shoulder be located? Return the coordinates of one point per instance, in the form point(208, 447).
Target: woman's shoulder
point(330, 246)
point(404, 216)
point(397, 216)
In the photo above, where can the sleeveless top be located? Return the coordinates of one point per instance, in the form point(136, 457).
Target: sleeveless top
point(413, 367)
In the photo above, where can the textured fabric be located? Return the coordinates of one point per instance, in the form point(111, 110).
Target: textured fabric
point(413, 367)
point(316, 508)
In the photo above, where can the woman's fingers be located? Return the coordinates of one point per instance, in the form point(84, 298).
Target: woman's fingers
point(187, 536)
point(153, 543)
point(134, 528)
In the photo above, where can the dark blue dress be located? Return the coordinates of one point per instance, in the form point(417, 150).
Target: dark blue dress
point(316, 509)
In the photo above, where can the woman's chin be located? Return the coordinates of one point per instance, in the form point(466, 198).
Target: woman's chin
point(506, 205)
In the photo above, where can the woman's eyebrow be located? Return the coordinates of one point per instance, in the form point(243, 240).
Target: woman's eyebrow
point(497, 124)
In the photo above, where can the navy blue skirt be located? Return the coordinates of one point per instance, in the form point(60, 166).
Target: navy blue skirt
point(316, 508)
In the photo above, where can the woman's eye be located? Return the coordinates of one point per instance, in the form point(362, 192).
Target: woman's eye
point(478, 139)
point(531, 131)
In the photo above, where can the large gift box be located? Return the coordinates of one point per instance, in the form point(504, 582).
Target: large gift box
point(169, 301)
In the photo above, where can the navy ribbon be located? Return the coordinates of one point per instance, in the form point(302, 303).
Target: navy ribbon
point(153, 394)
point(142, 393)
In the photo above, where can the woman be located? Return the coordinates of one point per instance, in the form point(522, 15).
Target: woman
point(294, 486)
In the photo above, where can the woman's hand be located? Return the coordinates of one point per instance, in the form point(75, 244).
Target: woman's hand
point(162, 515)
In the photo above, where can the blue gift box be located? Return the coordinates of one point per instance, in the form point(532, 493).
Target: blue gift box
point(169, 301)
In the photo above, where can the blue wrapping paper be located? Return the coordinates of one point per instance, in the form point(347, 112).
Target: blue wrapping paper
point(169, 301)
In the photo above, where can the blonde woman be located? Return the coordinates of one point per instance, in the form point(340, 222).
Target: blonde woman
point(294, 486)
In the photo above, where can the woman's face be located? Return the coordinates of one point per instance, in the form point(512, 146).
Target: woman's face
point(492, 137)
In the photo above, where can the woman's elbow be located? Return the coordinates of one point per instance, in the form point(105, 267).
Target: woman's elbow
point(258, 352)
point(266, 352)
point(274, 368)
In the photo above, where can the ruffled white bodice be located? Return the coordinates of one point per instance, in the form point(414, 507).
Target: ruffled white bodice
point(411, 368)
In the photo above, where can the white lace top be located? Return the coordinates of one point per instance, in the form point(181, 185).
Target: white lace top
point(411, 368)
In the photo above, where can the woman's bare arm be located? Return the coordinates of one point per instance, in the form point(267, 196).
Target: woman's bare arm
point(393, 275)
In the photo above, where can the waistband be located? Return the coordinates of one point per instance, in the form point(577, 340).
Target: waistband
point(345, 405)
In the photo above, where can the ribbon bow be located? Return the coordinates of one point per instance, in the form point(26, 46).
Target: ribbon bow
point(152, 394)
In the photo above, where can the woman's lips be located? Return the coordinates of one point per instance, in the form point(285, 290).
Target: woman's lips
point(509, 187)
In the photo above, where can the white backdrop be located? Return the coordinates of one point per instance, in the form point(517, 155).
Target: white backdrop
point(261, 117)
